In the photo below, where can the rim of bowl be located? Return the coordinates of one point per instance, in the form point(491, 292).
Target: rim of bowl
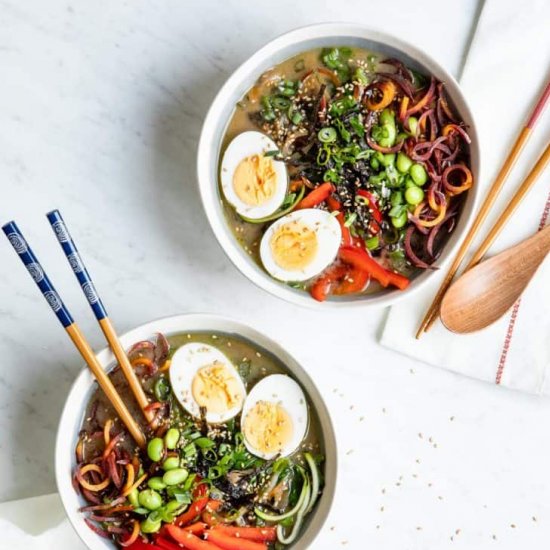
point(73, 411)
point(209, 150)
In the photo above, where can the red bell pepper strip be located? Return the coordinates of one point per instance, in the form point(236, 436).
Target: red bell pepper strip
point(317, 196)
point(354, 281)
point(398, 280)
point(373, 206)
point(363, 260)
point(187, 540)
point(322, 286)
point(140, 545)
point(209, 515)
point(346, 235)
point(228, 542)
point(197, 528)
point(257, 534)
point(335, 206)
point(192, 512)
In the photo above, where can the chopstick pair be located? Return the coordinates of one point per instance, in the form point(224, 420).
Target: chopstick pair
point(43, 282)
point(433, 311)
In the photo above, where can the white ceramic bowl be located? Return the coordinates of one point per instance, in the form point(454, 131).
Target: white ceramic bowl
point(217, 119)
point(82, 389)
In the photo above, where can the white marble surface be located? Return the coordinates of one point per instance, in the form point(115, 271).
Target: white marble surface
point(101, 107)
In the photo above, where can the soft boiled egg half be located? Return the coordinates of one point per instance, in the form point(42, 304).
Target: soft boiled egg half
point(202, 376)
point(300, 245)
point(275, 417)
point(253, 183)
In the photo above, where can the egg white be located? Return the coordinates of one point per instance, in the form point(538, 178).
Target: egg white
point(245, 145)
point(186, 362)
point(329, 235)
point(281, 389)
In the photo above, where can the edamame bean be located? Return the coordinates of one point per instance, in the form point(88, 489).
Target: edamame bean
point(133, 498)
point(399, 221)
point(409, 182)
point(150, 526)
point(155, 449)
point(389, 159)
point(374, 163)
point(171, 463)
point(175, 476)
point(150, 499)
point(414, 195)
point(386, 117)
point(403, 163)
point(156, 483)
point(418, 174)
point(171, 438)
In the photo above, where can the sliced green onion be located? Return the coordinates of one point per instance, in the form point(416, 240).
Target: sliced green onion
point(327, 135)
point(361, 76)
point(280, 102)
point(323, 156)
point(273, 153)
point(350, 219)
point(162, 389)
point(190, 450)
point(295, 116)
point(204, 442)
point(372, 243)
point(279, 213)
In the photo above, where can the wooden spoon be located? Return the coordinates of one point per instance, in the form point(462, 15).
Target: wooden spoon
point(487, 291)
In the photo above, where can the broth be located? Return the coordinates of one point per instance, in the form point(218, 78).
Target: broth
point(253, 365)
point(390, 250)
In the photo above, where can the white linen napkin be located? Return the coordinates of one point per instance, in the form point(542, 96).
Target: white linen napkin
point(507, 67)
point(37, 523)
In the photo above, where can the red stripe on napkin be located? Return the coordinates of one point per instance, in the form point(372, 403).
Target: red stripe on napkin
point(515, 309)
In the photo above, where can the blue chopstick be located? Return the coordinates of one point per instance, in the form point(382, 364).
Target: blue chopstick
point(38, 274)
point(47, 289)
point(79, 269)
point(71, 253)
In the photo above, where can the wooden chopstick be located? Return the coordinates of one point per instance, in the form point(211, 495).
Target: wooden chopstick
point(524, 188)
point(433, 311)
point(86, 284)
point(43, 282)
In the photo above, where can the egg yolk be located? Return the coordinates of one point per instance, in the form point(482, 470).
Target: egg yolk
point(216, 388)
point(268, 427)
point(293, 245)
point(255, 180)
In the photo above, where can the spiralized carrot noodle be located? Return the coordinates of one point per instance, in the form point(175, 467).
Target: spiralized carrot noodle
point(145, 361)
point(109, 448)
point(466, 179)
point(79, 450)
point(107, 431)
point(94, 487)
point(130, 476)
point(403, 108)
point(387, 90)
point(430, 223)
point(127, 491)
point(133, 536)
point(166, 365)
